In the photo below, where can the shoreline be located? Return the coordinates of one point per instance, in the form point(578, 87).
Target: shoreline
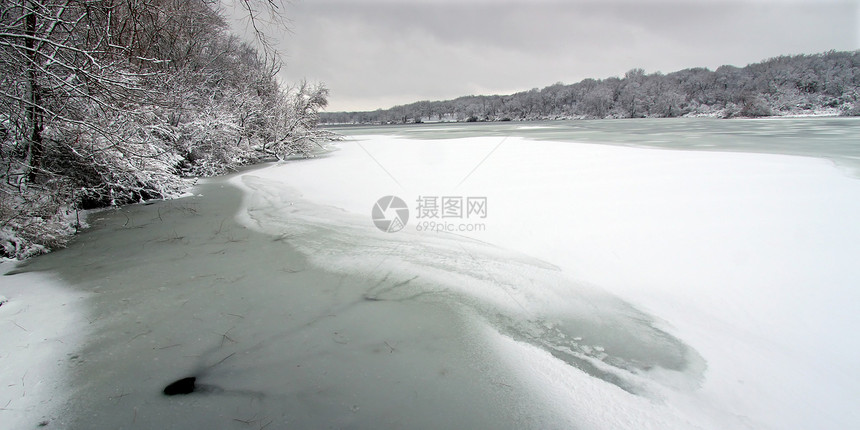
point(43, 325)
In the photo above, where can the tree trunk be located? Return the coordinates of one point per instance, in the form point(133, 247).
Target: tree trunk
point(35, 148)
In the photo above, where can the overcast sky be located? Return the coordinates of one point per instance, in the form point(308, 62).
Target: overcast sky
point(377, 53)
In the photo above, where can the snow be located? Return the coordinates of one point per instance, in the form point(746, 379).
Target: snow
point(747, 258)
point(740, 267)
point(41, 326)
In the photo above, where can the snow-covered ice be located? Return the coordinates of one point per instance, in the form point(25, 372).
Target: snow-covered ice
point(747, 258)
point(609, 287)
point(42, 323)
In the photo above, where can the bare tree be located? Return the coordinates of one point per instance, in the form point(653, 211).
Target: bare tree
point(106, 102)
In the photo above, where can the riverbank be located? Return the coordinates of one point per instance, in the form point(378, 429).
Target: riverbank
point(42, 325)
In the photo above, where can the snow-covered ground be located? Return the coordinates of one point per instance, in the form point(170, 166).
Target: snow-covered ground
point(42, 324)
point(750, 259)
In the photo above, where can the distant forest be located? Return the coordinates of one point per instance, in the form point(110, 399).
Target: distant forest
point(824, 83)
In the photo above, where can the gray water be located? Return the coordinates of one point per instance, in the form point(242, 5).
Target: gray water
point(180, 289)
point(278, 338)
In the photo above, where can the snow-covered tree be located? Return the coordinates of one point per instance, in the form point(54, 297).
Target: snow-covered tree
point(106, 102)
point(782, 85)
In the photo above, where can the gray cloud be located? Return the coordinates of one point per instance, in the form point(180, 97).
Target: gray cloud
point(373, 54)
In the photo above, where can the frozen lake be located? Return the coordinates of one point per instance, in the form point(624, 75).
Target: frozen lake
point(667, 274)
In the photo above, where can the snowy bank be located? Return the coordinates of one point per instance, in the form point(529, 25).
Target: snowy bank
point(41, 327)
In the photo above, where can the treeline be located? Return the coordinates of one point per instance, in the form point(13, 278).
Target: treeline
point(801, 84)
point(106, 102)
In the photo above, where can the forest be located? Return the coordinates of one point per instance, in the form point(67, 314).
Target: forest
point(109, 102)
point(788, 85)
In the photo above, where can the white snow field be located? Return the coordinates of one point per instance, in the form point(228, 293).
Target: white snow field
point(606, 286)
point(750, 259)
point(41, 325)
